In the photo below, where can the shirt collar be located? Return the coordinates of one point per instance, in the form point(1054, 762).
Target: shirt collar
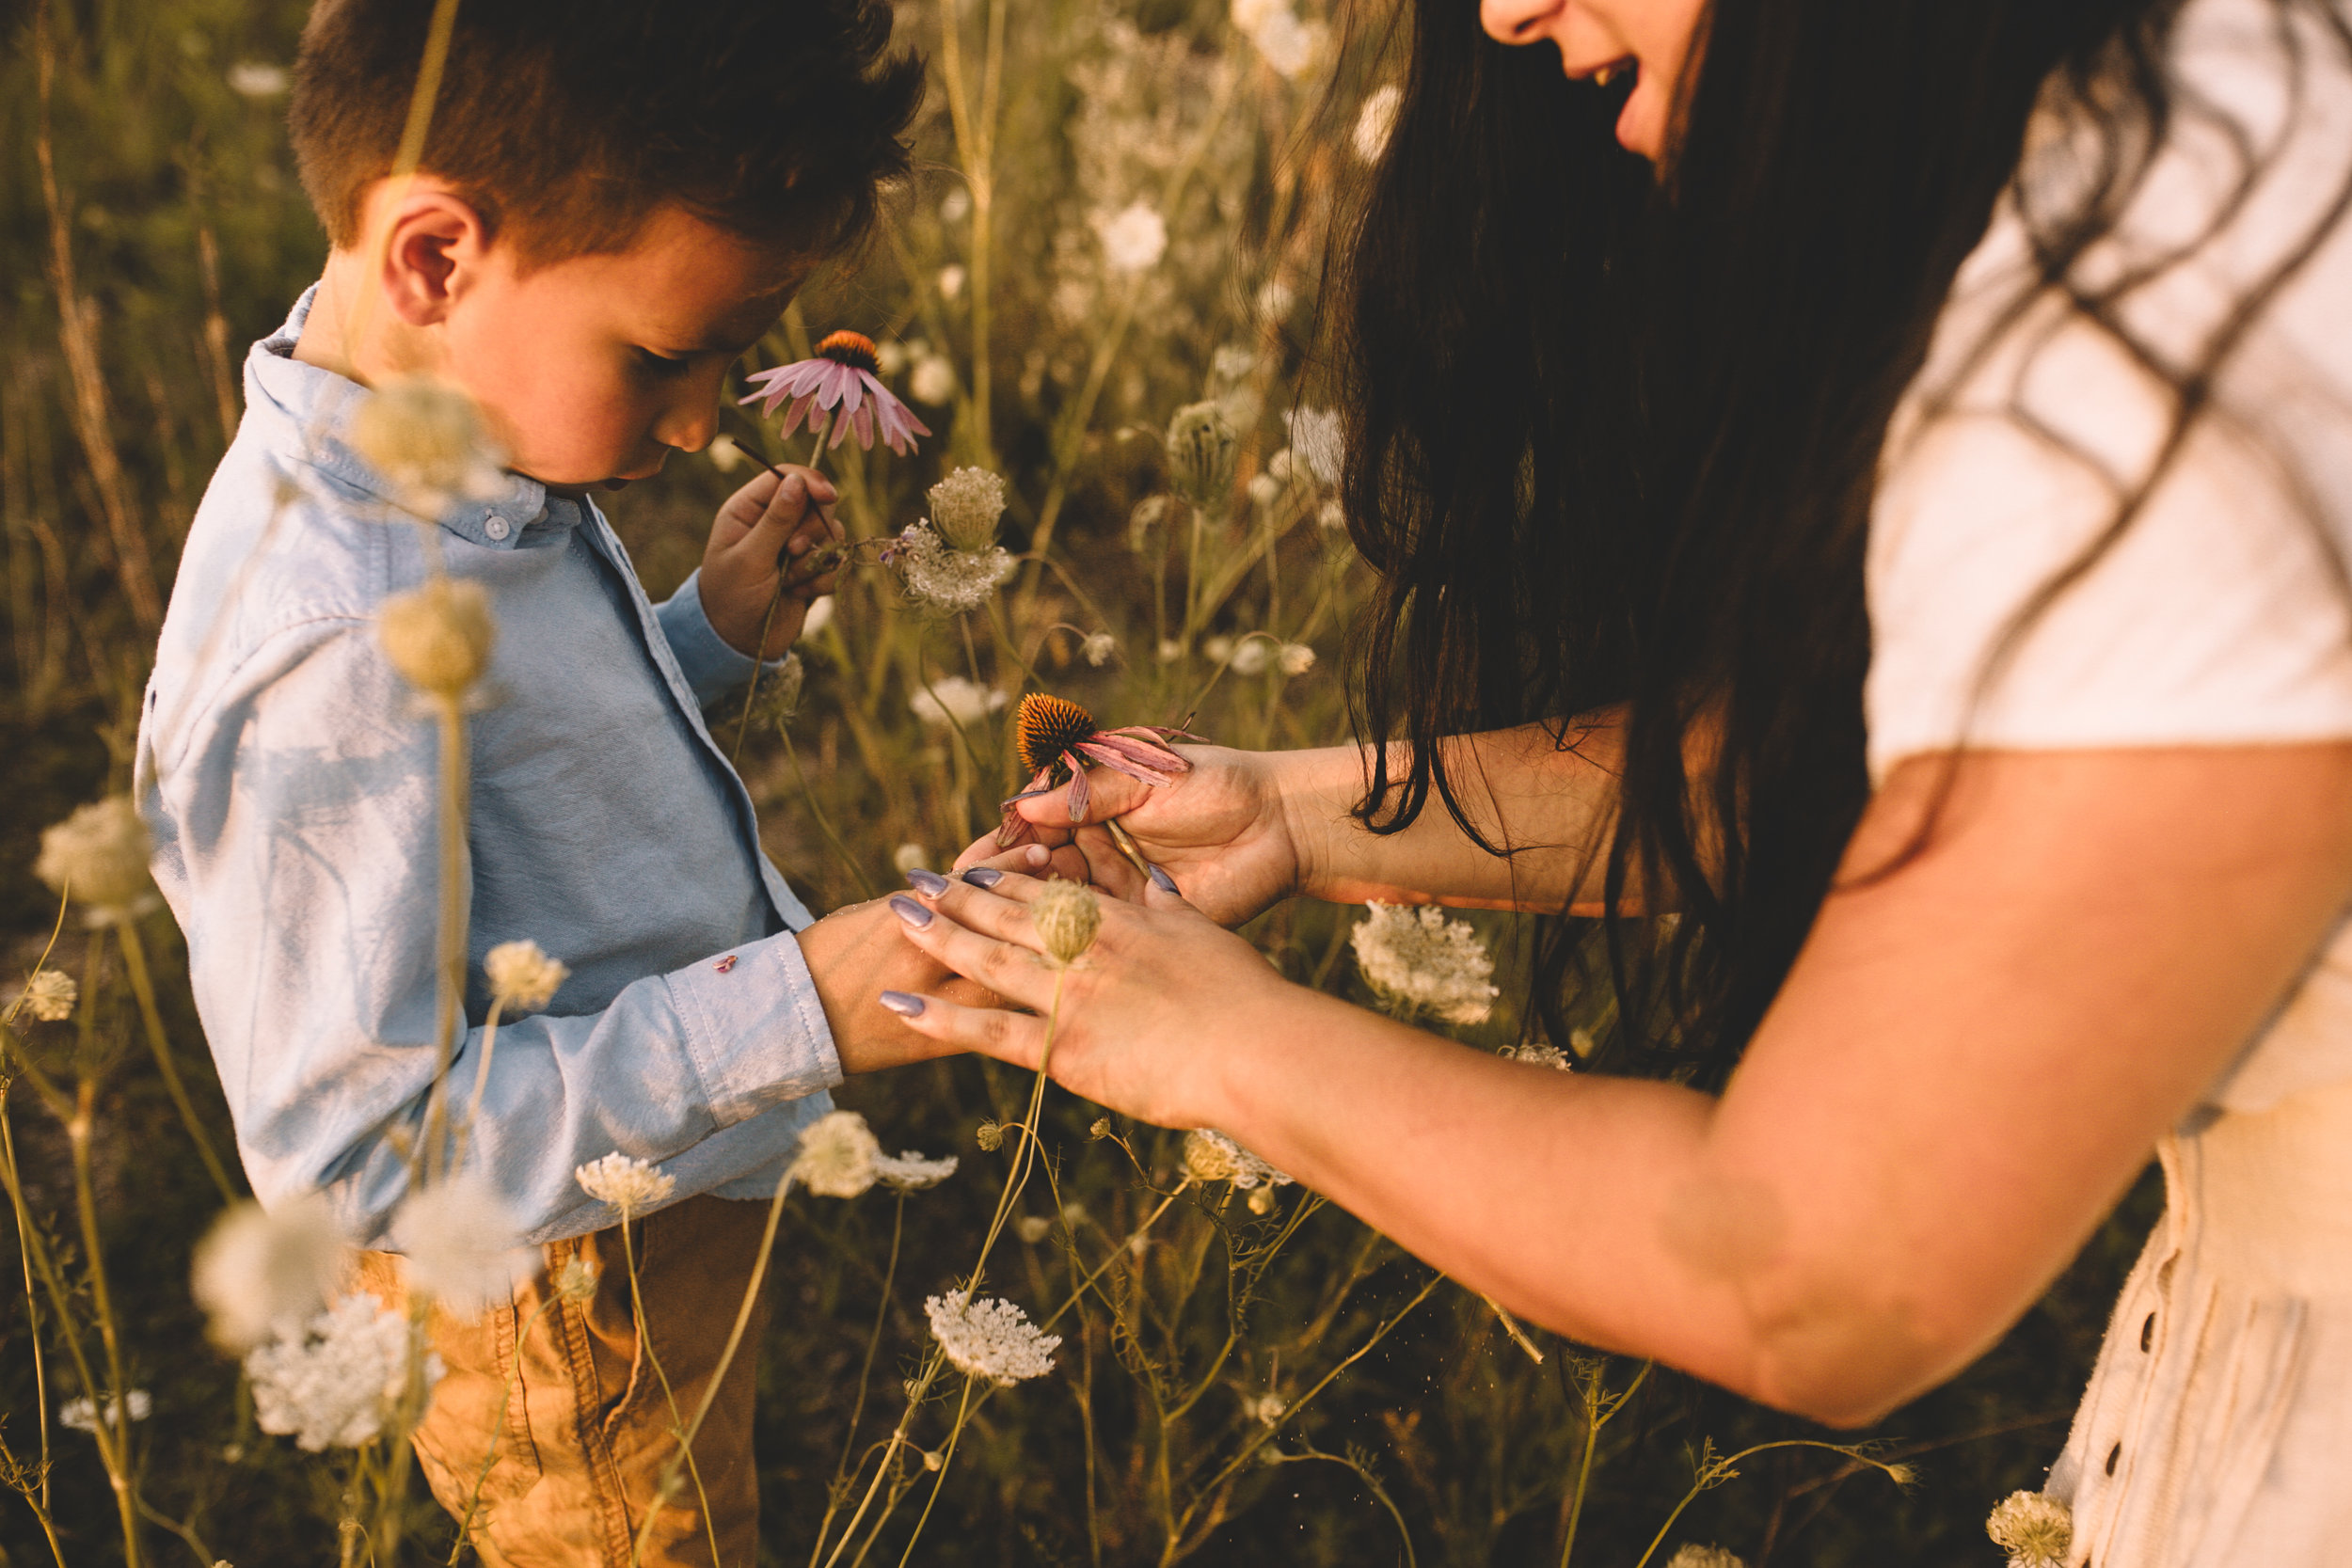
point(303, 411)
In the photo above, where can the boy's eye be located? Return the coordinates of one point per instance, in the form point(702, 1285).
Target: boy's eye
point(660, 364)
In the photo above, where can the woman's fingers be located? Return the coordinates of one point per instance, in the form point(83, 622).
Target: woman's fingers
point(1015, 1038)
point(1005, 964)
point(1109, 793)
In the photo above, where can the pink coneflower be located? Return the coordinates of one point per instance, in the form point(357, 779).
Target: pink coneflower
point(844, 375)
point(1058, 739)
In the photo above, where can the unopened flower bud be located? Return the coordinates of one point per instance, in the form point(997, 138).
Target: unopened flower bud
point(992, 1138)
point(1102, 1127)
point(1201, 449)
point(439, 637)
point(1068, 916)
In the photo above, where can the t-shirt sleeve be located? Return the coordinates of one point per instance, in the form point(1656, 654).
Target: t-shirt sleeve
point(2217, 616)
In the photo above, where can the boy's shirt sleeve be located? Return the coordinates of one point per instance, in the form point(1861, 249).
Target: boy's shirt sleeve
point(296, 831)
point(711, 667)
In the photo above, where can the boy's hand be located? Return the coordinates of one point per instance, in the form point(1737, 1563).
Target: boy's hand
point(766, 534)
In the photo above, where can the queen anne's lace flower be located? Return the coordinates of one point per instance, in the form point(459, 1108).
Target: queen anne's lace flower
point(1068, 917)
point(82, 1416)
point(1295, 658)
point(1133, 239)
point(2036, 1531)
point(439, 636)
point(1265, 1409)
point(910, 1172)
point(522, 975)
point(990, 1338)
point(50, 996)
point(259, 1273)
point(945, 578)
point(425, 438)
point(1098, 648)
point(965, 508)
point(100, 853)
point(464, 1248)
point(335, 1382)
point(632, 1186)
point(965, 703)
point(1538, 1055)
point(1201, 446)
point(838, 1156)
point(1211, 1156)
point(1419, 963)
point(933, 381)
point(1704, 1557)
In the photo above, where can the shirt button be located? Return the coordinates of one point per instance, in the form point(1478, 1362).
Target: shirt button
point(496, 528)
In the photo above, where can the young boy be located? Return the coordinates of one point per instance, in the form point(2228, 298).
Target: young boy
point(614, 200)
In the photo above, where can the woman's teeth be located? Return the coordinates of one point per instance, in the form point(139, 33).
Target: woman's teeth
point(1616, 69)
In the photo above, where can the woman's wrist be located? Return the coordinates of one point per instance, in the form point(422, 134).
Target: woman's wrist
point(1313, 792)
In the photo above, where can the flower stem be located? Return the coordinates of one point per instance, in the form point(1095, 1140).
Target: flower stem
point(143, 985)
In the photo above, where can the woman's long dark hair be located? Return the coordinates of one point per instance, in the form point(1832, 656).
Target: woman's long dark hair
point(1613, 436)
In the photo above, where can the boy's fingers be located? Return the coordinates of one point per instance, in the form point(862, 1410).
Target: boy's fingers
point(1015, 1038)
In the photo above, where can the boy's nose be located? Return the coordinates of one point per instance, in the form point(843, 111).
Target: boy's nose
point(691, 424)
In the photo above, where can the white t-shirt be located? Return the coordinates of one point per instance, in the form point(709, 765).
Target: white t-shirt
point(2219, 617)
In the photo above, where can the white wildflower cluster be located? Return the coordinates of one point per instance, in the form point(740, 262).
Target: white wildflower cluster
point(943, 579)
point(910, 1172)
point(98, 858)
point(1265, 1409)
point(838, 1156)
point(630, 1185)
point(1256, 655)
point(1375, 118)
point(990, 1338)
point(336, 1382)
point(50, 995)
point(259, 1273)
point(1705, 1557)
point(1538, 1055)
point(933, 381)
point(1419, 963)
point(1288, 44)
point(966, 507)
point(1098, 647)
point(910, 857)
point(259, 79)
point(1033, 1228)
point(956, 701)
point(1134, 238)
point(522, 975)
point(425, 438)
point(464, 1246)
point(1211, 1156)
point(82, 1416)
point(2036, 1531)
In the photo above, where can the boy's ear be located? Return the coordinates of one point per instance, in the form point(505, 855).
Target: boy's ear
point(435, 240)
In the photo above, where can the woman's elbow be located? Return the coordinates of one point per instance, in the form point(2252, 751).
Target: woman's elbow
point(1847, 1360)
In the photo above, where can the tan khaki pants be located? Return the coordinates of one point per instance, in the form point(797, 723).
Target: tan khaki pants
point(566, 1474)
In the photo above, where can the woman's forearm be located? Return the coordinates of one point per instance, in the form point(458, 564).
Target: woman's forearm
point(1547, 802)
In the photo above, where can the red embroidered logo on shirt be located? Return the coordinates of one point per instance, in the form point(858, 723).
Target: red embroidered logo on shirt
point(724, 964)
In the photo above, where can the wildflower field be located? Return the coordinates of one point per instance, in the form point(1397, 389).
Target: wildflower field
point(1101, 293)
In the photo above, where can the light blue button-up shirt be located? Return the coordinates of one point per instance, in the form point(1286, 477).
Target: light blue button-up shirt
point(290, 777)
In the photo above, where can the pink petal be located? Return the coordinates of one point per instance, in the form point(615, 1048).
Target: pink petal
point(852, 393)
point(1118, 764)
point(1078, 791)
point(1149, 755)
point(1014, 830)
point(802, 407)
point(863, 422)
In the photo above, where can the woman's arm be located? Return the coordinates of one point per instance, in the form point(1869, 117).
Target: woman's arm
point(1974, 1054)
point(1244, 830)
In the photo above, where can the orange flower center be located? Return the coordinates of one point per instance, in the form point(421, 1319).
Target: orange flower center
point(1046, 726)
point(851, 348)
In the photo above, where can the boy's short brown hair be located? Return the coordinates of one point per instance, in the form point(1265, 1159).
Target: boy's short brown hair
point(567, 122)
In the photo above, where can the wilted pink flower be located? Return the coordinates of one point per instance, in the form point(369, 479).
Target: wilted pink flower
point(1058, 740)
point(846, 375)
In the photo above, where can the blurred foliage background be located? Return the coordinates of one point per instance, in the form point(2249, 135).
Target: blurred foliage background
point(155, 228)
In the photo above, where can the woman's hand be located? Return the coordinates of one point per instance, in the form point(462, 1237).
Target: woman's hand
point(1221, 833)
point(1129, 1027)
point(760, 542)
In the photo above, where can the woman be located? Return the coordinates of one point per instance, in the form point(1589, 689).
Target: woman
point(1963, 652)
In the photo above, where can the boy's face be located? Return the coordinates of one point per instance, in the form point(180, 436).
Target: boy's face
point(592, 369)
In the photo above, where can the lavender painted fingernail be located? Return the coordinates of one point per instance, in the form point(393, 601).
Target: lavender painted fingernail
point(1164, 882)
point(931, 884)
point(902, 1003)
point(908, 910)
point(983, 876)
